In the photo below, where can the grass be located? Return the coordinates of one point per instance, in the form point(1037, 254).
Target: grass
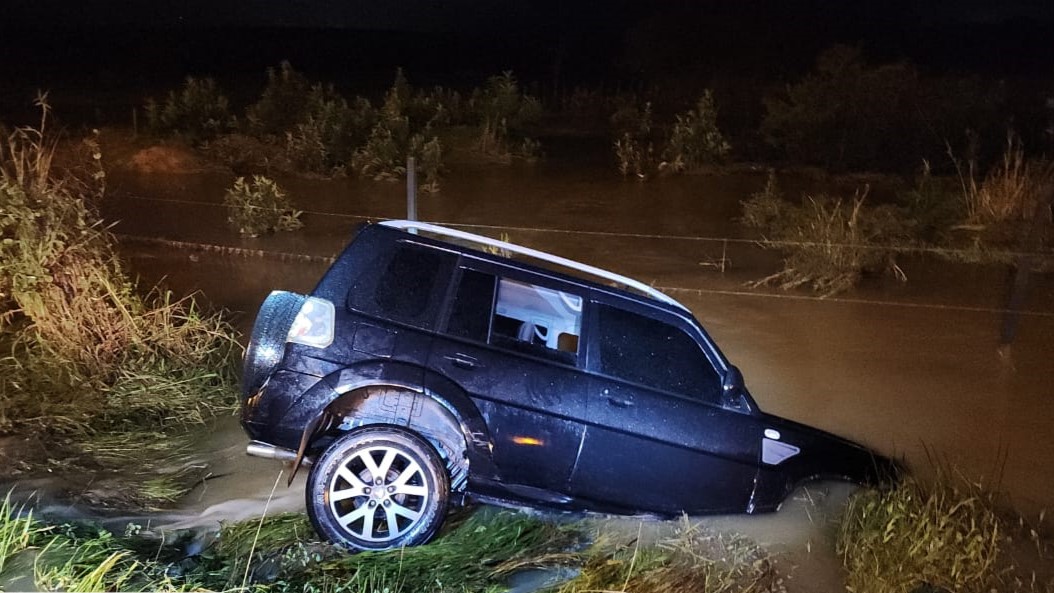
point(1010, 191)
point(86, 353)
point(476, 553)
point(694, 559)
point(944, 534)
point(829, 243)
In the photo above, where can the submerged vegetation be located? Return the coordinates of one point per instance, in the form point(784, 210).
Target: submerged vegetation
point(298, 126)
point(693, 140)
point(828, 242)
point(85, 352)
point(259, 206)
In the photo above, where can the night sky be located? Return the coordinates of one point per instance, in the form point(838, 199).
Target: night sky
point(116, 46)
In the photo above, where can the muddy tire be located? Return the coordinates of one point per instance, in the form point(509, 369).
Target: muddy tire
point(267, 344)
point(377, 488)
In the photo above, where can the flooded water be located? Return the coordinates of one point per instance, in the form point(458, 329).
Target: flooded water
point(912, 370)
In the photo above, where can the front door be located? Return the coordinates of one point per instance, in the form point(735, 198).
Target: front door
point(659, 439)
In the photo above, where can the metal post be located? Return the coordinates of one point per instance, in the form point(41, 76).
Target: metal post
point(411, 189)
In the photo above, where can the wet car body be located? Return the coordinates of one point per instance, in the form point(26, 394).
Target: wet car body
point(531, 386)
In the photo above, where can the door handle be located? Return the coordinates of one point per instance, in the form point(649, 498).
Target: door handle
point(619, 403)
point(463, 362)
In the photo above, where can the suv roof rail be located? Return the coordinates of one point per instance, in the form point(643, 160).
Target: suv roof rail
point(412, 226)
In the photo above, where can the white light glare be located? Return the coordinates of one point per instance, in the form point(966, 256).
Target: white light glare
point(314, 323)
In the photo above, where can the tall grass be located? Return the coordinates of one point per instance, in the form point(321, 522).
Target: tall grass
point(17, 529)
point(1010, 191)
point(84, 350)
point(829, 243)
point(940, 536)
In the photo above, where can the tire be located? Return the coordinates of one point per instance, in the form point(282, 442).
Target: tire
point(347, 508)
point(267, 344)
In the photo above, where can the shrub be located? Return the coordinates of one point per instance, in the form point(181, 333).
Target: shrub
point(695, 139)
point(499, 108)
point(632, 126)
point(331, 131)
point(935, 204)
point(283, 103)
point(198, 111)
point(828, 243)
point(260, 206)
point(431, 163)
point(847, 114)
point(405, 120)
point(383, 158)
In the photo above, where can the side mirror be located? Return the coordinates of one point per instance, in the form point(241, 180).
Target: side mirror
point(733, 381)
point(733, 390)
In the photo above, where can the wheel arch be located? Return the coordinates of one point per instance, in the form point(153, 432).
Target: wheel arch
point(445, 417)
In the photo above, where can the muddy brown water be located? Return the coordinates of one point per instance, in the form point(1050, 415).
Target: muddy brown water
point(911, 370)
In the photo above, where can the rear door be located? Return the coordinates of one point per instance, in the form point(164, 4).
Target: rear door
point(512, 343)
point(658, 438)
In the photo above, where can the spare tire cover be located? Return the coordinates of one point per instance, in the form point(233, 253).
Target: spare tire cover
point(267, 344)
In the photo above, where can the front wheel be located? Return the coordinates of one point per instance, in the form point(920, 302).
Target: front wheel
point(377, 488)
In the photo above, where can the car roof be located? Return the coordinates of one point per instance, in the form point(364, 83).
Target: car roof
point(625, 286)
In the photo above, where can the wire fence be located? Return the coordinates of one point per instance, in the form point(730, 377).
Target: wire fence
point(947, 252)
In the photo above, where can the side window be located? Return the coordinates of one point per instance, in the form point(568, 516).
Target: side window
point(405, 284)
point(537, 320)
point(470, 311)
point(647, 351)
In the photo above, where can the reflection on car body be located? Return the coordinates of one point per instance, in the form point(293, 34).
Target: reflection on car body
point(423, 370)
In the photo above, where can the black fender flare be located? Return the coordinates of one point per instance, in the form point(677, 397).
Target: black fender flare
point(437, 408)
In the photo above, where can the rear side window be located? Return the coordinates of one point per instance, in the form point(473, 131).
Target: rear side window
point(655, 354)
point(517, 316)
point(405, 284)
point(537, 320)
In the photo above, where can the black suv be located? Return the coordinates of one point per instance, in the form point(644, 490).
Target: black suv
point(429, 365)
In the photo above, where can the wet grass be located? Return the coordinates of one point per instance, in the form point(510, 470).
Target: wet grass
point(693, 559)
point(87, 356)
point(829, 243)
point(948, 534)
point(475, 553)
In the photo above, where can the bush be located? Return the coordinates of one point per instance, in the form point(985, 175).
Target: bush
point(198, 111)
point(935, 204)
point(828, 243)
point(260, 206)
point(632, 126)
point(283, 103)
point(331, 131)
point(847, 114)
point(695, 139)
point(500, 107)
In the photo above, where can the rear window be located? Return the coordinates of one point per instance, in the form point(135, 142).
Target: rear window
point(405, 285)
